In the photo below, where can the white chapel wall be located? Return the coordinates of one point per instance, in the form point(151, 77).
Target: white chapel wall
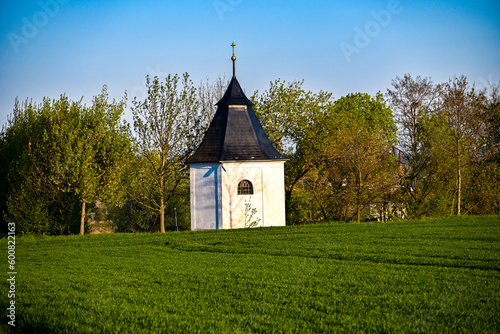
point(268, 199)
point(274, 197)
point(205, 196)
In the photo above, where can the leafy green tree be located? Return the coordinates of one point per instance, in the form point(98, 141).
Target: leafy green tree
point(36, 209)
point(164, 123)
point(437, 180)
point(89, 147)
point(291, 117)
point(288, 113)
point(68, 151)
point(308, 128)
point(359, 167)
point(363, 167)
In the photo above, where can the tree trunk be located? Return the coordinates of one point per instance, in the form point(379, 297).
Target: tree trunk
point(82, 219)
point(414, 164)
point(358, 213)
point(459, 178)
point(162, 216)
point(162, 208)
point(289, 191)
point(323, 211)
point(288, 198)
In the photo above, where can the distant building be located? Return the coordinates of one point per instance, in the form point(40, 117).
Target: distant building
point(237, 176)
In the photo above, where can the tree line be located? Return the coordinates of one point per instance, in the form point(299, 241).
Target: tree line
point(422, 149)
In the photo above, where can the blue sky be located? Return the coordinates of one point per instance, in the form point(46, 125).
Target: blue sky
point(51, 47)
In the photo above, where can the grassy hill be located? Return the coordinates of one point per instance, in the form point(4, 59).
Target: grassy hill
point(430, 276)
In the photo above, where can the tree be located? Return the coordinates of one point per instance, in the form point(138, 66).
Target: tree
point(412, 100)
point(436, 182)
point(68, 151)
point(163, 125)
point(28, 199)
point(359, 162)
point(288, 113)
point(484, 193)
point(89, 148)
point(461, 107)
point(363, 166)
point(207, 95)
point(291, 118)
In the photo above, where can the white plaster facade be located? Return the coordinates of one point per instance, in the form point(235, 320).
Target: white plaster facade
point(216, 204)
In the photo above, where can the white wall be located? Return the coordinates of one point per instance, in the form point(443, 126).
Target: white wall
point(269, 193)
point(215, 203)
point(274, 198)
point(205, 196)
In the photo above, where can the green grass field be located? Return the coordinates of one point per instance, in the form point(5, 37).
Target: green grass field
point(437, 276)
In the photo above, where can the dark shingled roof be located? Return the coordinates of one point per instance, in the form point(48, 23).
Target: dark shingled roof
point(234, 95)
point(235, 133)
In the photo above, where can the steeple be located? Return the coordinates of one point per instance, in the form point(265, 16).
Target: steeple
point(236, 166)
point(235, 133)
point(234, 95)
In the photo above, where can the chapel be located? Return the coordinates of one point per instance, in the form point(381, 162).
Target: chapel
point(236, 174)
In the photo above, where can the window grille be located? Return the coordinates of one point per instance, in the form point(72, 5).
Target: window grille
point(245, 187)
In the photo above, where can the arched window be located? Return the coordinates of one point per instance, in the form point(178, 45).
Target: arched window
point(245, 187)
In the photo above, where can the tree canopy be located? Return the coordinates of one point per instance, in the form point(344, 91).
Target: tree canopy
point(67, 153)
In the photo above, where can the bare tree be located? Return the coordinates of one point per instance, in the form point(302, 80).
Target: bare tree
point(491, 118)
point(207, 95)
point(412, 100)
point(462, 107)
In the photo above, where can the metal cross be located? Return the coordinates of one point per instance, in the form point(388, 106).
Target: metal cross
point(233, 58)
